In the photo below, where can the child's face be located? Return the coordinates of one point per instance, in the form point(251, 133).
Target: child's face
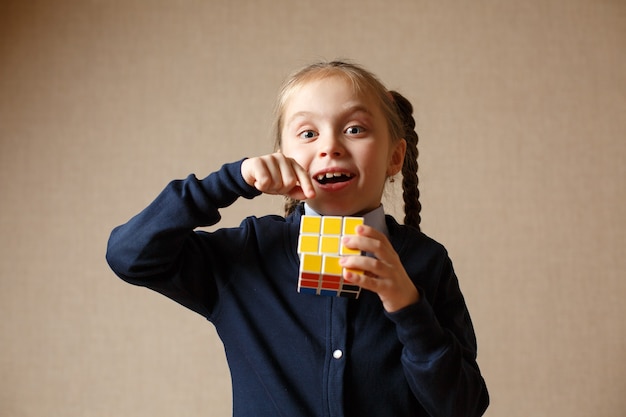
point(342, 140)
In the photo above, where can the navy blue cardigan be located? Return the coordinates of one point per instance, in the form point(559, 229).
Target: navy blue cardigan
point(293, 354)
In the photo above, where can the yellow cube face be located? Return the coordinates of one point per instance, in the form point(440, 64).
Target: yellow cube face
point(347, 251)
point(310, 224)
point(331, 225)
point(311, 262)
point(330, 244)
point(331, 265)
point(320, 250)
point(350, 224)
point(308, 243)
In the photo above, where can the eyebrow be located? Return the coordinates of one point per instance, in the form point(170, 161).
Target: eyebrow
point(357, 108)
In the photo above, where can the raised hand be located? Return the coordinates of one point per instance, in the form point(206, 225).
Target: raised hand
point(384, 274)
point(277, 174)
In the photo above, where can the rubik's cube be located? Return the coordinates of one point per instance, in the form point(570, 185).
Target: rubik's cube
point(320, 248)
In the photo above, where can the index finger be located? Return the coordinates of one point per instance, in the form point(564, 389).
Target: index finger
point(304, 180)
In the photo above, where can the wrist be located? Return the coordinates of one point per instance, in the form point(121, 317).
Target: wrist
point(245, 173)
point(402, 301)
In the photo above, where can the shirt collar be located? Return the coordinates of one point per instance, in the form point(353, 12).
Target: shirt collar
point(374, 218)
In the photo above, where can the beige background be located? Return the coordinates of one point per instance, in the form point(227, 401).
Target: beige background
point(521, 109)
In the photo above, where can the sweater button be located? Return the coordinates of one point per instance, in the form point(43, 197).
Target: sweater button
point(337, 354)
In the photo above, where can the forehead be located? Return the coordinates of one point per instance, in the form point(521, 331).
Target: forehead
point(330, 93)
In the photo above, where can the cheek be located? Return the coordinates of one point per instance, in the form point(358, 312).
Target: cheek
point(286, 148)
point(297, 154)
point(376, 158)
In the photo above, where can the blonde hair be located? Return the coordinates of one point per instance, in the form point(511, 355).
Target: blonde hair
point(397, 111)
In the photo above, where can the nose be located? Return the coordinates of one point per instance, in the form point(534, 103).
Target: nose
point(331, 145)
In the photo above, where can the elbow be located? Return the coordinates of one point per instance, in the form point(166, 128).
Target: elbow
point(115, 259)
point(131, 262)
point(119, 258)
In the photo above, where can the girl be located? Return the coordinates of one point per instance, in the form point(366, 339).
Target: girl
point(406, 347)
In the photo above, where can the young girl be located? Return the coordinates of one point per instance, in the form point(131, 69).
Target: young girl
point(405, 347)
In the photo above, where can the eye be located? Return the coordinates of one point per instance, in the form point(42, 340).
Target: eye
point(307, 134)
point(355, 130)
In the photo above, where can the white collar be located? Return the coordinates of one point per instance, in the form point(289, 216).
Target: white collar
point(374, 218)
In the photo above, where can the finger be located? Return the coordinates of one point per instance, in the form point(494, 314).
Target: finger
point(285, 177)
point(366, 281)
point(365, 265)
point(266, 174)
point(278, 174)
point(294, 181)
point(304, 181)
point(254, 172)
point(371, 241)
point(292, 178)
point(274, 175)
point(289, 182)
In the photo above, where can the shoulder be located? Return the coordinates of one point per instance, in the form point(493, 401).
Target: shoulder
point(408, 239)
point(271, 227)
point(426, 261)
point(272, 238)
point(269, 221)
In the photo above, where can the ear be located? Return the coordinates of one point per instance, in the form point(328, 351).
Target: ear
point(397, 158)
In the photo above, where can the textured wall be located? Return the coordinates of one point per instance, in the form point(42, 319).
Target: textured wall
point(521, 109)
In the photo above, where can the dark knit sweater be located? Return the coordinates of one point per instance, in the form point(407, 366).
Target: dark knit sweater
point(293, 354)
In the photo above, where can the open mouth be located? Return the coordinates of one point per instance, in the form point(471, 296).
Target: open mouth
point(333, 177)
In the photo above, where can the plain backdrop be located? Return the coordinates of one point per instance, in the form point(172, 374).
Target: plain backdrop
point(521, 110)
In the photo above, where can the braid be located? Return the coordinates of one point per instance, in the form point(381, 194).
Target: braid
point(290, 205)
point(410, 181)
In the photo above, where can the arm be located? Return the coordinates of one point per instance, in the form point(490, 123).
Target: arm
point(432, 323)
point(159, 249)
point(439, 355)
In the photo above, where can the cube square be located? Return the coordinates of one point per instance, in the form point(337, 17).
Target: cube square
point(350, 224)
point(307, 290)
point(331, 225)
point(329, 244)
point(307, 283)
point(308, 243)
point(310, 224)
point(311, 262)
point(331, 266)
point(328, 285)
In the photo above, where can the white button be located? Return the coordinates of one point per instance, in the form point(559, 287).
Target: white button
point(337, 354)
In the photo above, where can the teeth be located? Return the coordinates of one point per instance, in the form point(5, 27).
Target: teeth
point(332, 175)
